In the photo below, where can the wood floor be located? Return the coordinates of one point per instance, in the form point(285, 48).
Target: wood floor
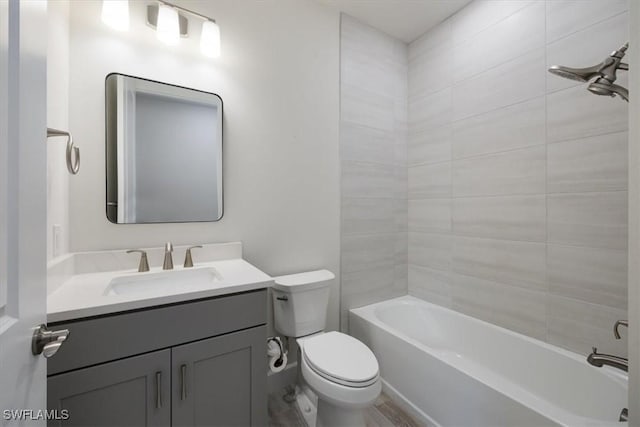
point(384, 413)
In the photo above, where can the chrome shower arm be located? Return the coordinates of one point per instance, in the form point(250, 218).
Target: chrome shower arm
point(611, 65)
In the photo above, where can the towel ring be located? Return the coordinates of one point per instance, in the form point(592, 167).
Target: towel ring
point(73, 152)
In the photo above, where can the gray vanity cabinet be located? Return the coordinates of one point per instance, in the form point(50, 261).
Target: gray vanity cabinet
point(215, 381)
point(199, 363)
point(133, 391)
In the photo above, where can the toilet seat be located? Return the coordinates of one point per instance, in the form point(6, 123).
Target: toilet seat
point(341, 359)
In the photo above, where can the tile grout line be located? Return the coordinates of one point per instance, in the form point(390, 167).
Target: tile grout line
point(592, 135)
point(451, 231)
point(524, 147)
point(454, 236)
point(546, 180)
point(406, 150)
point(549, 42)
point(479, 156)
point(500, 282)
point(514, 195)
point(493, 110)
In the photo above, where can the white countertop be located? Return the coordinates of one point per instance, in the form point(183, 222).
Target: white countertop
point(83, 295)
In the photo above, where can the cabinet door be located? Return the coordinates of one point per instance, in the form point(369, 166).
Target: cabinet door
point(221, 381)
point(129, 392)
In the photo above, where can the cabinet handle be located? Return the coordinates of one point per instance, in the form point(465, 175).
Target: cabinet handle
point(183, 382)
point(158, 389)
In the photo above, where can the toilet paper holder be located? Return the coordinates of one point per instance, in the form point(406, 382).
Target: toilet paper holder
point(276, 353)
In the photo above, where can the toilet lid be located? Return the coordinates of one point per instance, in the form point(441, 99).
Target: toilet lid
point(341, 358)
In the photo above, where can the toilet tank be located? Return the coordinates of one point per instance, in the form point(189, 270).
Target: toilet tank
point(300, 302)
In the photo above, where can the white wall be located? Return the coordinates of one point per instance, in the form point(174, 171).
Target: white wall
point(278, 78)
point(518, 178)
point(57, 117)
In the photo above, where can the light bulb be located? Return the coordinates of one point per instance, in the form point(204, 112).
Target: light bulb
point(115, 13)
point(168, 28)
point(210, 39)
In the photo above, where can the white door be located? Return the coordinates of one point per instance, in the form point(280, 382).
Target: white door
point(23, 43)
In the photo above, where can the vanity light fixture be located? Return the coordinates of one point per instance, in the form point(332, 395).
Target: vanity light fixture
point(170, 22)
point(210, 39)
point(115, 13)
point(168, 27)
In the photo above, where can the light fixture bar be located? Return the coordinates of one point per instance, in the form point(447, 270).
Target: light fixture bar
point(185, 10)
point(152, 20)
point(170, 23)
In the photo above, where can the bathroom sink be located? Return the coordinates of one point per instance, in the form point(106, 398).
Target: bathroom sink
point(164, 282)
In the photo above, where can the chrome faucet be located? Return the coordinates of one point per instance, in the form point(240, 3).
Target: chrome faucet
point(168, 258)
point(188, 259)
point(600, 359)
point(143, 266)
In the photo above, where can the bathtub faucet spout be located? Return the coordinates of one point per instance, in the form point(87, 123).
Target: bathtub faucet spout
point(600, 359)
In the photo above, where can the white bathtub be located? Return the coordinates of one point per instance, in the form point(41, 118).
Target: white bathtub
point(453, 370)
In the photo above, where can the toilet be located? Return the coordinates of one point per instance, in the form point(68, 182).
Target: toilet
point(341, 371)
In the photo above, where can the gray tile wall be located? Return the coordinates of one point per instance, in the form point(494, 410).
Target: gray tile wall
point(517, 182)
point(373, 151)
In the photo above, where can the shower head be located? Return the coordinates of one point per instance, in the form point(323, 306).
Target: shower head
point(577, 74)
point(604, 87)
point(604, 73)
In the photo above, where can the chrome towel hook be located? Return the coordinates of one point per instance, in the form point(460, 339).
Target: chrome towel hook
point(72, 152)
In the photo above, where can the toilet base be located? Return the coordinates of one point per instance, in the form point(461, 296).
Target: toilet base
point(319, 413)
point(330, 415)
point(307, 405)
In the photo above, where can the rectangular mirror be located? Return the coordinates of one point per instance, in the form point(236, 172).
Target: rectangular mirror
point(164, 152)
